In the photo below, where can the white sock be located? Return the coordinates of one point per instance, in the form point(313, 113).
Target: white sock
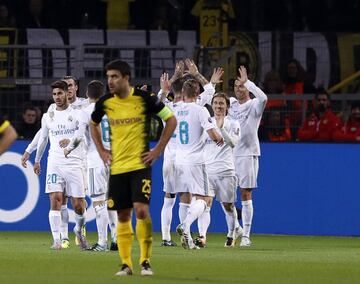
point(196, 209)
point(113, 219)
point(64, 226)
point(247, 213)
point(80, 221)
point(55, 221)
point(183, 211)
point(166, 217)
point(204, 222)
point(230, 220)
point(102, 221)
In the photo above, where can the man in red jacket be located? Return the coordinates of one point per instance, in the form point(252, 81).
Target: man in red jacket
point(351, 130)
point(322, 123)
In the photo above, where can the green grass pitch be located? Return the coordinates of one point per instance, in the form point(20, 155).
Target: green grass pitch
point(26, 258)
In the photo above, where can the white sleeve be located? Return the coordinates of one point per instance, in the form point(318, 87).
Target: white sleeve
point(33, 144)
point(206, 96)
point(79, 134)
point(205, 119)
point(233, 136)
point(261, 98)
point(44, 134)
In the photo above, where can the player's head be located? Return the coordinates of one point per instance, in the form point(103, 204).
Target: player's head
point(73, 87)
point(95, 89)
point(176, 87)
point(220, 103)
point(240, 91)
point(59, 93)
point(191, 89)
point(118, 74)
point(322, 100)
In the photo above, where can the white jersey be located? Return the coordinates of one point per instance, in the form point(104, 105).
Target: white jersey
point(193, 120)
point(249, 116)
point(170, 149)
point(79, 103)
point(58, 125)
point(93, 157)
point(219, 161)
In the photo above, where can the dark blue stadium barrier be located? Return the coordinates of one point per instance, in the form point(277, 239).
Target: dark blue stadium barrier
point(307, 189)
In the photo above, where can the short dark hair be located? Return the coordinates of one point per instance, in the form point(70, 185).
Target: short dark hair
point(177, 85)
point(68, 77)
point(28, 106)
point(59, 84)
point(191, 88)
point(221, 95)
point(95, 89)
point(321, 91)
point(119, 65)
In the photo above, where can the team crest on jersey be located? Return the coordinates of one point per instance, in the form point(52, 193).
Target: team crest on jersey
point(110, 203)
point(70, 118)
point(51, 115)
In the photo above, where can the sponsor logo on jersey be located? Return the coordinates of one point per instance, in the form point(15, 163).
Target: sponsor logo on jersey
point(125, 121)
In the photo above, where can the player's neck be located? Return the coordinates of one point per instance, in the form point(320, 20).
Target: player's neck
point(72, 100)
point(243, 100)
point(64, 107)
point(189, 100)
point(125, 93)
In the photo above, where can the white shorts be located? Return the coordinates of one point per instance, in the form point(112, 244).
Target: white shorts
point(224, 188)
point(97, 180)
point(60, 178)
point(246, 169)
point(169, 176)
point(193, 179)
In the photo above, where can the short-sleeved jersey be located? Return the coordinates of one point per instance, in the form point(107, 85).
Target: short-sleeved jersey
point(92, 155)
point(170, 149)
point(193, 120)
point(3, 124)
point(129, 120)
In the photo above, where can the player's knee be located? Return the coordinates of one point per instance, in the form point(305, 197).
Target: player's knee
point(228, 206)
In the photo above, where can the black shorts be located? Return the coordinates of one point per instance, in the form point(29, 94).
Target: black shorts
point(127, 188)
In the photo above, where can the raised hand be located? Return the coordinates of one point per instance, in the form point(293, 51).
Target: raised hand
point(179, 71)
point(216, 76)
point(165, 83)
point(243, 75)
point(190, 64)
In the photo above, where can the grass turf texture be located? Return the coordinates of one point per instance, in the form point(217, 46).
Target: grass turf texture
point(26, 258)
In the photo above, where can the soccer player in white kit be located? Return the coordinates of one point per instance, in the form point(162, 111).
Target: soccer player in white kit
point(76, 103)
point(248, 112)
point(220, 167)
point(57, 125)
point(191, 175)
point(97, 171)
point(170, 150)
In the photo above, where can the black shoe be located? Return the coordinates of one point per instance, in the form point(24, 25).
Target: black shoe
point(146, 269)
point(229, 242)
point(113, 246)
point(200, 242)
point(166, 243)
point(124, 271)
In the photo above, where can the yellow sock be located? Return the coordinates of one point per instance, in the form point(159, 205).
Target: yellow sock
point(144, 236)
point(125, 237)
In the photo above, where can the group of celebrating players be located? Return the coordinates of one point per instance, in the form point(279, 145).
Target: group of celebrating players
point(101, 144)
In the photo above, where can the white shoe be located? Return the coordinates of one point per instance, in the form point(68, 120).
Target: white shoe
point(124, 271)
point(146, 269)
point(238, 232)
point(245, 242)
point(56, 246)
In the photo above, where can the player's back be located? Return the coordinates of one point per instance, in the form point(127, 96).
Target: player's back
point(93, 157)
point(193, 120)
